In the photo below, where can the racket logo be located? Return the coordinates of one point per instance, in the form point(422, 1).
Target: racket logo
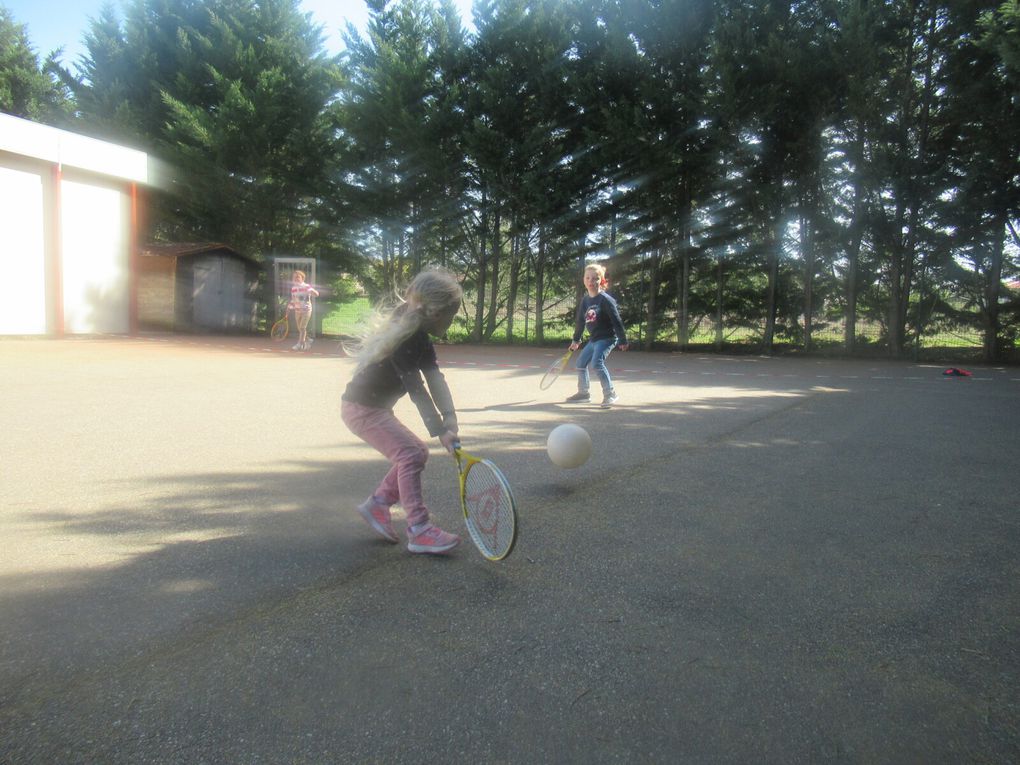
point(488, 505)
point(485, 510)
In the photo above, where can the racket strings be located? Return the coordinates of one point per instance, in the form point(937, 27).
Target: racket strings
point(489, 509)
point(553, 373)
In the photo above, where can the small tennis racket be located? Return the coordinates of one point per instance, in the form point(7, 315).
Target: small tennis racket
point(490, 511)
point(554, 371)
point(281, 328)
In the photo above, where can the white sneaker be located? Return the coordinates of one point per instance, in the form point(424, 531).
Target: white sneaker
point(297, 347)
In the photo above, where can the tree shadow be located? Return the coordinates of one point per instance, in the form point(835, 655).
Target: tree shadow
point(193, 550)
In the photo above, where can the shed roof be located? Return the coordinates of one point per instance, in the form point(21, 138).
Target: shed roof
point(192, 249)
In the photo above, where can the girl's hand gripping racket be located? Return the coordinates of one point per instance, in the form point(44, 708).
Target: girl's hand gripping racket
point(490, 511)
point(554, 371)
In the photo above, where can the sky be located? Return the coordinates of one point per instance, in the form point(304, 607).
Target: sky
point(55, 23)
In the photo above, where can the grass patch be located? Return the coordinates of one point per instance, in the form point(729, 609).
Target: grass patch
point(340, 318)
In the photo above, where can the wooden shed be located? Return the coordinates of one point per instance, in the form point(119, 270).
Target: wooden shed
point(197, 287)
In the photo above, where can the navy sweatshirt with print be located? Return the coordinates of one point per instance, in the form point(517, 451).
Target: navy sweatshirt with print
point(601, 317)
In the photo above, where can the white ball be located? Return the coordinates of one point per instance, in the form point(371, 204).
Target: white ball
point(569, 446)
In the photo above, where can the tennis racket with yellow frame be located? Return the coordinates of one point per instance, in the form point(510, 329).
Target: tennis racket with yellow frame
point(490, 511)
point(554, 371)
point(281, 328)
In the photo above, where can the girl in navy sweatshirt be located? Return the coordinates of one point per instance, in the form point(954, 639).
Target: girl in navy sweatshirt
point(600, 315)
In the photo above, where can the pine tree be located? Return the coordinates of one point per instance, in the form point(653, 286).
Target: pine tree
point(235, 96)
point(402, 116)
point(982, 129)
point(28, 89)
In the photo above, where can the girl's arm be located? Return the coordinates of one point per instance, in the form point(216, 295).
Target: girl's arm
point(579, 323)
point(436, 410)
point(426, 407)
point(442, 398)
point(410, 366)
point(617, 322)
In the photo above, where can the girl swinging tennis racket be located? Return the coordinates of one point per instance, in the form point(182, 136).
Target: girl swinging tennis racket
point(392, 361)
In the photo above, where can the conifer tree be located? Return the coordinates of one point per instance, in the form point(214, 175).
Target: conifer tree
point(982, 130)
point(235, 96)
point(29, 89)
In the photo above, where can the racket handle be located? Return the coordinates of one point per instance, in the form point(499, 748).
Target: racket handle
point(456, 445)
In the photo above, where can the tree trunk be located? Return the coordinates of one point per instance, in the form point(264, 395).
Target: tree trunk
point(683, 292)
point(853, 252)
point(683, 329)
point(415, 244)
point(993, 286)
point(512, 287)
point(771, 303)
point(476, 332)
point(540, 288)
point(490, 324)
point(719, 303)
point(651, 305)
point(807, 248)
point(895, 297)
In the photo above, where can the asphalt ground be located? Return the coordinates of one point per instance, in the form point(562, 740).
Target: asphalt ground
point(764, 561)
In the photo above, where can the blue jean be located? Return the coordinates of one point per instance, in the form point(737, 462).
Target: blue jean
point(595, 354)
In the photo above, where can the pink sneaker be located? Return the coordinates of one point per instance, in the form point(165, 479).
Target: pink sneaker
point(378, 517)
point(431, 539)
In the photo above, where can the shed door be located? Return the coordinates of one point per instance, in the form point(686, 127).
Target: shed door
point(207, 305)
point(219, 295)
point(232, 288)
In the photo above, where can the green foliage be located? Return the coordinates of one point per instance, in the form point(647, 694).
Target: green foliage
point(28, 89)
point(1000, 34)
point(763, 171)
point(237, 98)
point(344, 315)
point(345, 288)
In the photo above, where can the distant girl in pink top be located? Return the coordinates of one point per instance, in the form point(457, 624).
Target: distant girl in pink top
point(301, 295)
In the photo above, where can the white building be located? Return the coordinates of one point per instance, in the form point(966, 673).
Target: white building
point(69, 213)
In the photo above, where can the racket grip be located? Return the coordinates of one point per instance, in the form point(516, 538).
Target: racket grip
point(456, 445)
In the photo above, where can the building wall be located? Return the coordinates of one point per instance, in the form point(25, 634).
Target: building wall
point(66, 235)
point(156, 293)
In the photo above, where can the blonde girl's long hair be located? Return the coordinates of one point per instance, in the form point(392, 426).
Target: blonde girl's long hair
point(429, 294)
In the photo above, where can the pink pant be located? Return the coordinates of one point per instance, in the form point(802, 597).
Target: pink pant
point(380, 429)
